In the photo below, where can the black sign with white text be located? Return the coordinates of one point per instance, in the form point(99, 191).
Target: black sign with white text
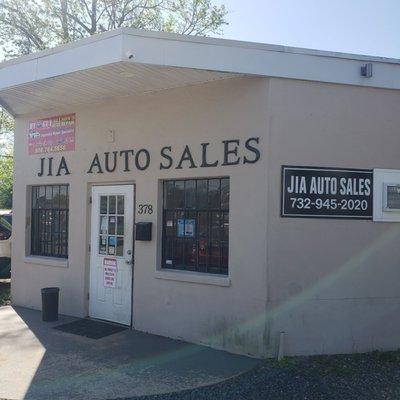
point(313, 192)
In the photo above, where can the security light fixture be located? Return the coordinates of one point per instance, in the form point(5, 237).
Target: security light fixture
point(366, 70)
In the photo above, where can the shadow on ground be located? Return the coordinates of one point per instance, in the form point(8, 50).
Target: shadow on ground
point(39, 362)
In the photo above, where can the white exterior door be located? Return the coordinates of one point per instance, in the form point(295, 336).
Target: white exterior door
point(110, 295)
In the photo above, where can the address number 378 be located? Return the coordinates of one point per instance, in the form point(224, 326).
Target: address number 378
point(145, 209)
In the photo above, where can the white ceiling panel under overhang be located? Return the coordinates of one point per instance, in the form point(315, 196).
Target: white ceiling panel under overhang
point(97, 84)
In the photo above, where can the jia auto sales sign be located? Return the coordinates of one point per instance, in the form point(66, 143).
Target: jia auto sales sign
point(52, 135)
point(312, 192)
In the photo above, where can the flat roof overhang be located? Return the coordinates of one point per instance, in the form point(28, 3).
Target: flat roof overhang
point(127, 62)
point(99, 83)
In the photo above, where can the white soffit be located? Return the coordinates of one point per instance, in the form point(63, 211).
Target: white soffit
point(128, 61)
point(101, 83)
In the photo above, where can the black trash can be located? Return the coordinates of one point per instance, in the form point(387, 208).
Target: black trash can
point(50, 304)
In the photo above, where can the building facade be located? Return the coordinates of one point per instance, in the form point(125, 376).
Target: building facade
point(212, 191)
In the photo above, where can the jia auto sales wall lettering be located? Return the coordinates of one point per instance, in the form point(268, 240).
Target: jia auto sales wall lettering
point(230, 152)
point(327, 192)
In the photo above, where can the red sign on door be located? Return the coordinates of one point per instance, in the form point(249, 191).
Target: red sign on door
point(110, 272)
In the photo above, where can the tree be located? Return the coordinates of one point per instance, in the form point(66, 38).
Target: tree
point(6, 159)
point(31, 25)
point(6, 132)
point(6, 181)
point(27, 26)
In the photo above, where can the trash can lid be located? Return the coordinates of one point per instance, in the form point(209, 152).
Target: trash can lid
point(50, 290)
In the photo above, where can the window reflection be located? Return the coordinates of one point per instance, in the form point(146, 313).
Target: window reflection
point(196, 225)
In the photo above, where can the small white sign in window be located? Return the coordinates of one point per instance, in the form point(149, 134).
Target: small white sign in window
point(391, 197)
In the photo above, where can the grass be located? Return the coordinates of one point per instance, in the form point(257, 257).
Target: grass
point(386, 356)
point(5, 292)
point(342, 366)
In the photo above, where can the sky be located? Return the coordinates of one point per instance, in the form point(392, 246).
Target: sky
point(370, 27)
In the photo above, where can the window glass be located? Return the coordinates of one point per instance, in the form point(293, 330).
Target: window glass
point(103, 225)
point(203, 225)
point(112, 244)
point(120, 225)
point(64, 231)
point(202, 194)
point(214, 257)
point(5, 232)
point(225, 258)
point(179, 194)
point(103, 204)
point(196, 225)
point(56, 197)
point(49, 221)
point(120, 205)
point(190, 194)
point(120, 247)
point(169, 194)
point(112, 204)
point(178, 253)
point(225, 194)
point(203, 255)
point(190, 260)
point(214, 196)
point(34, 197)
point(215, 226)
point(112, 225)
point(103, 245)
point(41, 196)
point(169, 224)
point(180, 224)
point(64, 197)
point(168, 251)
point(49, 197)
point(8, 218)
point(225, 227)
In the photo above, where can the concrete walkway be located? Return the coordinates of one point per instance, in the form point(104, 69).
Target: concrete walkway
point(38, 362)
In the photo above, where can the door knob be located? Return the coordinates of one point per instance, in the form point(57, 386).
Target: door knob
point(129, 262)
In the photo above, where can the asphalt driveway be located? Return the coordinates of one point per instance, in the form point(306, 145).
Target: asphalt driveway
point(373, 376)
point(39, 362)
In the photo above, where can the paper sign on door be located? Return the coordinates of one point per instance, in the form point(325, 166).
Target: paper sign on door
point(109, 272)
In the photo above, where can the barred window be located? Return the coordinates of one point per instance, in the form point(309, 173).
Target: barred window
point(49, 226)
point(196, 225)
